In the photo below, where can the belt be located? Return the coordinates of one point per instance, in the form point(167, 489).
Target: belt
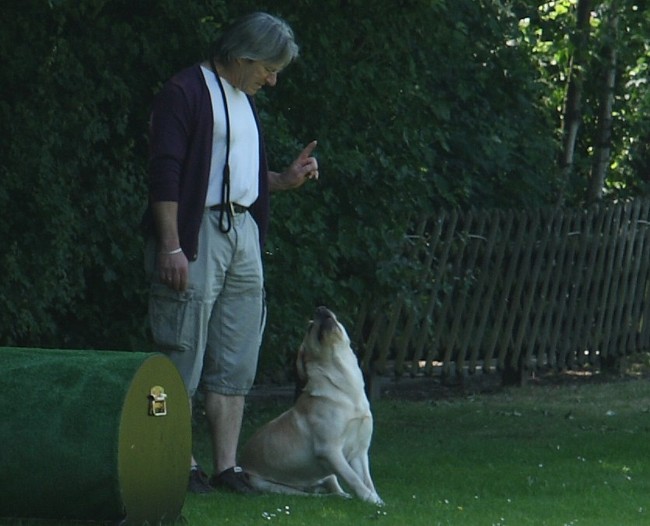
point(234, 207)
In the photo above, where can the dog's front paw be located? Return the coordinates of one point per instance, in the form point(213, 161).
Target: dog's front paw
point(373, 498)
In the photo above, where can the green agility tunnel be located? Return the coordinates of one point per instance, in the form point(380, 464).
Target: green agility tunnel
point(89, 435)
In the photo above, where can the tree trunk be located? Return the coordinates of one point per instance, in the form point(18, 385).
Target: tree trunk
point(603, 144)
point(573, 100)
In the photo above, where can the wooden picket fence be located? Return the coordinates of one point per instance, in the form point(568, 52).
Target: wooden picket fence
point(500, 290)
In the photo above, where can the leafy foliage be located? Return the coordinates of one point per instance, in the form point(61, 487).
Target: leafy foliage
point(73, 172)
point(414, 108)
point(416, 104)
point(547, 28)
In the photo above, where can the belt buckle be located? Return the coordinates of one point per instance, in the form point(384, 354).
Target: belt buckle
point(232, 209)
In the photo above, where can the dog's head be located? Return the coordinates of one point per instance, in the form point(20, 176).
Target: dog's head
point(324, 338)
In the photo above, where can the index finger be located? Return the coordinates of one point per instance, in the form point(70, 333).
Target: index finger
point(308, 149)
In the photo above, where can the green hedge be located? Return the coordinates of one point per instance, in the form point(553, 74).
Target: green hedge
point(415, 104)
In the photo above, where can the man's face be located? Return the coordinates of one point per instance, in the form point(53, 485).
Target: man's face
point(252, 75)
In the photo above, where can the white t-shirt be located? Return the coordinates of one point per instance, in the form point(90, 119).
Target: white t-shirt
point(244, 145)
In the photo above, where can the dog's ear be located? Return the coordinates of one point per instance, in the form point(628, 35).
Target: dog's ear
point(301, 366)
point(301, 373)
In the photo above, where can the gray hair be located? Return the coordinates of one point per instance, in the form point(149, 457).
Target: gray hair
point(258, 36)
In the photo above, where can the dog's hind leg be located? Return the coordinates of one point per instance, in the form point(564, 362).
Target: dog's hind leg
point(267, 486)
point(330, 485)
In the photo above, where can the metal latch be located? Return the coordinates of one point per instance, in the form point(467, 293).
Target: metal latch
point(157, 401)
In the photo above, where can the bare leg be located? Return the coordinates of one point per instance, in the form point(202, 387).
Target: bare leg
point(193, 463)
point(225, 414)
point(198, 482)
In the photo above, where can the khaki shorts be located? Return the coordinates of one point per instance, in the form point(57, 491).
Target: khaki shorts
point(213, 330)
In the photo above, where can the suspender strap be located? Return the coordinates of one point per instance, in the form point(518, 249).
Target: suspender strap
point(226, 211)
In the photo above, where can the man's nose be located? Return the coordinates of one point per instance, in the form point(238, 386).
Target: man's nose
point(272, 79)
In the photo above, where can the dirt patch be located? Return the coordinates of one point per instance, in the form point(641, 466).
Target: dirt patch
point(437, 388)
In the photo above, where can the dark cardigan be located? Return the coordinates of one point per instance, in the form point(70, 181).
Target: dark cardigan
point(181, 132)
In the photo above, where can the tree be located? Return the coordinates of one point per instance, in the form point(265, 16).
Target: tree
point(573, 102)
point(604, 121)
point(607, 96)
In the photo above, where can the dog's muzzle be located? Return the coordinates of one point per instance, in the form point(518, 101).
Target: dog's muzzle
point(325, 321)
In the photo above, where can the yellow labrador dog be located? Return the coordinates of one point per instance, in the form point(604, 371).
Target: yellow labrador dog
point(326, 434)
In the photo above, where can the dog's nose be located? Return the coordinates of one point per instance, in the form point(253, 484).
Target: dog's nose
point(323, 313)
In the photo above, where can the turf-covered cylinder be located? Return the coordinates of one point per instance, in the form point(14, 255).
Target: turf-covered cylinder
point(92, 435)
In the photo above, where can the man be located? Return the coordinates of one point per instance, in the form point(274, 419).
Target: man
point(209, 208)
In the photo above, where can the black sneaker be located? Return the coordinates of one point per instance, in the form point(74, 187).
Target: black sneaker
point(233, 479)
point(199, 482)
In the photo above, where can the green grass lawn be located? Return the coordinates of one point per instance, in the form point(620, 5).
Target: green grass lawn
point(575, 454)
